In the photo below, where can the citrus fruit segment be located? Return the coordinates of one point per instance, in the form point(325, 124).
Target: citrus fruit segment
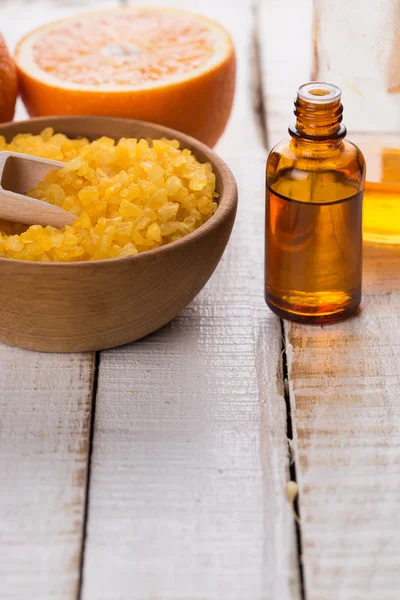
point(168, 66)
point(8, 83)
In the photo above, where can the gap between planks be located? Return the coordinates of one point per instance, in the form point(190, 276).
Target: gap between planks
point(261, 111)
point(96, 366)
point(292, 461)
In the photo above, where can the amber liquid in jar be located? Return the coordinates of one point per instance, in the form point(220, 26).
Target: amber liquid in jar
point(315, 182)
point(381, 212)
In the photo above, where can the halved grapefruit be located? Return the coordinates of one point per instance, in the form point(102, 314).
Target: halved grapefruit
point(167, 66)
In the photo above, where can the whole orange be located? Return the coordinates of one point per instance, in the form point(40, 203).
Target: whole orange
point(8, 83)
point(168, 66)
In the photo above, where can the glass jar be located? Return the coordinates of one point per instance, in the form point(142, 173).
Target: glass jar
point(357, 46)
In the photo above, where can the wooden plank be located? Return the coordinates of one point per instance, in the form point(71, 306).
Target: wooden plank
point(344, 392)
point(190, 451)
point(45, 412)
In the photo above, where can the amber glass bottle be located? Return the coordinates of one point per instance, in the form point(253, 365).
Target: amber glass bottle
point(315, 183)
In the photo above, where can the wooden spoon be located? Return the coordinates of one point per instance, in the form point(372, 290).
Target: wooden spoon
point(19, 173)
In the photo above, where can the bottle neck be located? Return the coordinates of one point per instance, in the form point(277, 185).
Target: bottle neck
point(319, 113)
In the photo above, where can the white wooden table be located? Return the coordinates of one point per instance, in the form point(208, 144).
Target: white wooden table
point(157, 471)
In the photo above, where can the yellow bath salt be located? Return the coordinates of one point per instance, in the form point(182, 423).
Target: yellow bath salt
point(128, 197)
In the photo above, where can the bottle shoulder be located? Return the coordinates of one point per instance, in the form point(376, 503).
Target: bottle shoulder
point(316, 155)
point(334, 169)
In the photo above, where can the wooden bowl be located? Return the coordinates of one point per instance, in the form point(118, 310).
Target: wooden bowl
point(92, 305)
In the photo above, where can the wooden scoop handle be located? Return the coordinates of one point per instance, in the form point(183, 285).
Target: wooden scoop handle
point(18, 174)
point(30, 211)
